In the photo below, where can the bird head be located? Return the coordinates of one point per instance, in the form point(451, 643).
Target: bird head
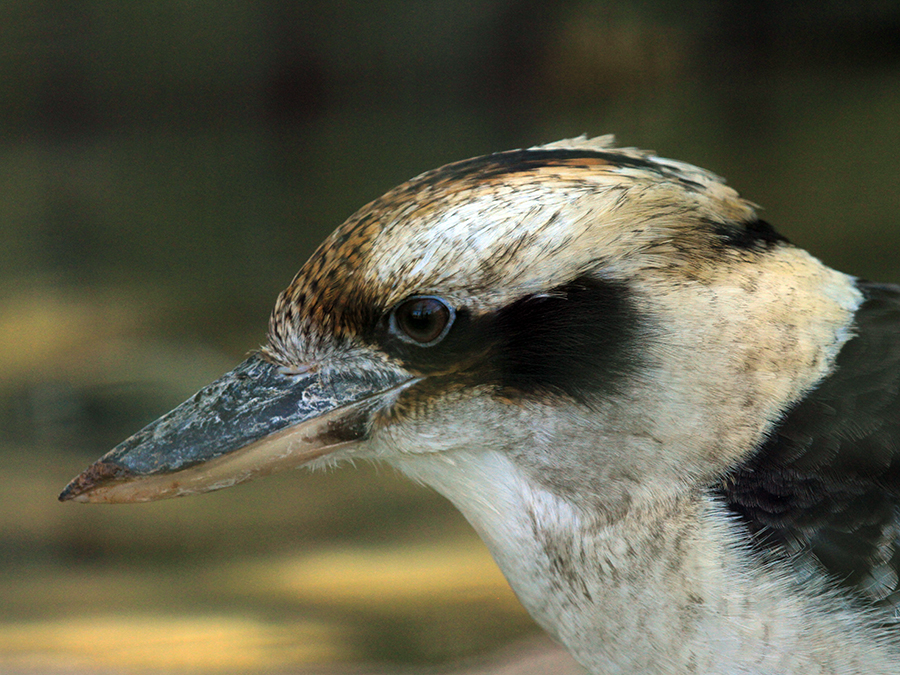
point(608, 323)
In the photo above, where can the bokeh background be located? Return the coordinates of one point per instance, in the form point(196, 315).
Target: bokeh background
point(167, 166)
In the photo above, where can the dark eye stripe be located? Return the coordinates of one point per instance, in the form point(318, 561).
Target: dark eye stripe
point(578, 340)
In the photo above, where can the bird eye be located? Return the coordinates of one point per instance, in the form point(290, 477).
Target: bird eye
point(422, 320)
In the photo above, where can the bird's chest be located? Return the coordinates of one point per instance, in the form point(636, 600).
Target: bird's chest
point(616, 595)
point(662, 589)
point(598, 592)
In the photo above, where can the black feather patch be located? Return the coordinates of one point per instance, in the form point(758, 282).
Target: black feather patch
point(578, 339)
point(753, 236)
point(827, 480)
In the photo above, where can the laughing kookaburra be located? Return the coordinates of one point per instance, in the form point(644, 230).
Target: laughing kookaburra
point(676, 432)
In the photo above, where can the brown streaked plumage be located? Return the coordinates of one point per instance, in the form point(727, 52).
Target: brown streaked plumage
point(374, 259)
point(676, 431)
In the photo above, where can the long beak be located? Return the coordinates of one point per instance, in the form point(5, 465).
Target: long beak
point(253, 421)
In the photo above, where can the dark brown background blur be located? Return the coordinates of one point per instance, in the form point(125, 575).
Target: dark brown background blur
point(166, 167)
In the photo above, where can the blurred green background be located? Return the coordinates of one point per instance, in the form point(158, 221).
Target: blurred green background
point(167, 166)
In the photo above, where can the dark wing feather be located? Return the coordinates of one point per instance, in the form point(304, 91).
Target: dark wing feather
point(827, 480)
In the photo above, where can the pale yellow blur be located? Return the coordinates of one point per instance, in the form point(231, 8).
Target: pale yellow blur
point(202, 644)
point(448, 572)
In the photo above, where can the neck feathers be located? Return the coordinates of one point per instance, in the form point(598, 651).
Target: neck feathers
point(665, 589)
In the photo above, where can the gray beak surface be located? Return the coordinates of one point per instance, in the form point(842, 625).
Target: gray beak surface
point(253, 421)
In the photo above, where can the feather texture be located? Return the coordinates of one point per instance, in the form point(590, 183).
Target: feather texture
point(825, 485)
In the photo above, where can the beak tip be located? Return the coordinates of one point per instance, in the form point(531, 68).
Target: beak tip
point(70, 495)
point(99, 474)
